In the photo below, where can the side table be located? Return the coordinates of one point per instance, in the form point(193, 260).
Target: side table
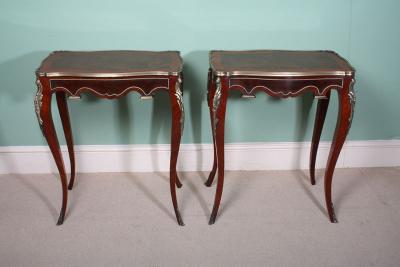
point(107, 74)
point(281, 74)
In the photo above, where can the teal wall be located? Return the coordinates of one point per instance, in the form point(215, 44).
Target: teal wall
point(367, 33)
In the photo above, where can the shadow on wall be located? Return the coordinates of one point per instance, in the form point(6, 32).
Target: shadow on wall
point(17, 76)
point(195, 75)
point(17, 83)
point(160, 122)
point(304, 104)
point(194, 89)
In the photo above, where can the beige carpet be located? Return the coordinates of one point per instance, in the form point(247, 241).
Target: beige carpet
point(266, 219)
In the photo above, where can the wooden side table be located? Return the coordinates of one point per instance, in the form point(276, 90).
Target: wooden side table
point(107, 74)
point(281, 74)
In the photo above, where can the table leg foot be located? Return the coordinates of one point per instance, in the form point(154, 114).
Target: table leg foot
point(179, 218)
point(61, 218)
point(332, 215)
point(178, 183)
point(210, 179)
point(213, 217)
point(71, 184)
point(173, 184)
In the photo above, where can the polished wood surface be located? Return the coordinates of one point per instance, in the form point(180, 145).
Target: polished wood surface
point(64, 74)
point(273, 61)
point(281, 74)
point(109, 63)
point(322, 108)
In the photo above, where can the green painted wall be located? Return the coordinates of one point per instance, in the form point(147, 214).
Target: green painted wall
point(367, 33)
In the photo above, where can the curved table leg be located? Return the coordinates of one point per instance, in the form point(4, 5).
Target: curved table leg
point(64, 115)
point(345, 116)
point(210, 97)
point(219, 108)
point(178, 182)
point(176, 132)
point(318, 125)
point(43, 109)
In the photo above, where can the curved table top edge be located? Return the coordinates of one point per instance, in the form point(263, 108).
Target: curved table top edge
point(281, 74)
point(40, 73)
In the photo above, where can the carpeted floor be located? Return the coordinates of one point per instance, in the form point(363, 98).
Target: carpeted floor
point(273, 218)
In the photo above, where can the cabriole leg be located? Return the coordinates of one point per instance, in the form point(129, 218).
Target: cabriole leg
point(322, 107)
point(345, 116)
point(43, 111)
point(176, 133)
point(219, 108)
point(66, 123)
point(210, 97)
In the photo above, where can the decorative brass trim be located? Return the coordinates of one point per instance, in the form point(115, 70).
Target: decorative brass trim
point(209, 82)
point(179, 98)
point(288, 93)
point(112, 95)
point(146, 97)
point(352, 100)
point(109, 75)
point(38, 102)
point(107, 94)
point(320, 97)
point(208, 96)
point(282, 74)
point(216, 102)
point(248, 96)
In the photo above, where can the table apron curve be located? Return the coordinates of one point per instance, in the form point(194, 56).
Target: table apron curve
point(285, 87)
point(110, 88)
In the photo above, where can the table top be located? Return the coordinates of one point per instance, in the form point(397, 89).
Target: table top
point(279, 63)
point(110, 63)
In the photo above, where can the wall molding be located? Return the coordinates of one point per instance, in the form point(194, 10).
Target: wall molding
point(198, 157)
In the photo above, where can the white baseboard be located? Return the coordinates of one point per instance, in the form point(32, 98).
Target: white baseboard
point(199, 157)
